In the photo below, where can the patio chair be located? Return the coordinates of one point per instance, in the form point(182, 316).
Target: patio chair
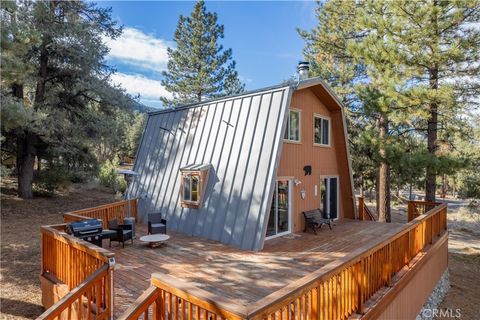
point(314, 220)
point(156, 224)
point(124, 232)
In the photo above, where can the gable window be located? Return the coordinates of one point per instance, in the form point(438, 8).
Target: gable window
point(193, 184)
point(321, 130)
point(190, 187)
point(292, 132)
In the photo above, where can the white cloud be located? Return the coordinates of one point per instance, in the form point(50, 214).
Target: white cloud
point(245, 80)
point(137, 84)
point(138, 49)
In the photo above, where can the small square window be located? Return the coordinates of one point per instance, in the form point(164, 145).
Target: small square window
point(193, 184)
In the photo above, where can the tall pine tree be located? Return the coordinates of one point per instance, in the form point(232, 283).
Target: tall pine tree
point(440, 44)
point(386, 55)
point(55, 82)
point(199, 68)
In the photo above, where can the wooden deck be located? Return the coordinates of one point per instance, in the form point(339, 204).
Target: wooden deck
point(243, 276)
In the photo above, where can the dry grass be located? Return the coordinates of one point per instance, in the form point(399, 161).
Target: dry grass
point(20, 249)
point(464, 218)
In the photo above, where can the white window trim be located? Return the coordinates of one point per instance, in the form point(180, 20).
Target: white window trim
point(299, 141)
point(319, 116)
point(322, 177)
point(190, 175)
point(290, 209)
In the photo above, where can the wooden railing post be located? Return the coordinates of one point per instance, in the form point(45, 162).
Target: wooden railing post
point(360, 208)
point(361, 286)
point(410, 209)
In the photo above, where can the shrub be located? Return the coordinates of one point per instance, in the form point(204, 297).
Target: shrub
point(5, 172)
point(109, 177)
point(51, 179)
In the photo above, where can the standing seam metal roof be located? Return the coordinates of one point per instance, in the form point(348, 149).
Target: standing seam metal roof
point(240, 136)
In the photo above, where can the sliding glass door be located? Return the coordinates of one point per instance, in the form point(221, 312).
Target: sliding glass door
point(329, 197)
point(279, 218)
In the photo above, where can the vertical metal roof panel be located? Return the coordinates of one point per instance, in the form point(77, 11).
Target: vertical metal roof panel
point(240, 137)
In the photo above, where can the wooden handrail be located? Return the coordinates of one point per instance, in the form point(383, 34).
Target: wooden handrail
point(74, 262)
point(168, 294)
point(336, 290)
point(370, 214)
point(77, 243)
point(208, 301)
point(364, 213)
point(352, 261)
point(92, 287)
point(142, 305)
point(116, 210)
point(417, 208)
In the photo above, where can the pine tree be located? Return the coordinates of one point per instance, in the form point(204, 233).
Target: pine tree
point(199, 68)
point(55, 82)
point(440, 43)
point(384, 52)
point(360, 65)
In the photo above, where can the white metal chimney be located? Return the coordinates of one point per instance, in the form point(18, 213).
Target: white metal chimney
point(302, 69)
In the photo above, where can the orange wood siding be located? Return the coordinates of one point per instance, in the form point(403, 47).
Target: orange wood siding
point(325, 160)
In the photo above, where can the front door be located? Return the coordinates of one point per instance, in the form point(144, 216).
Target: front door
point(279, 218)
point(329, 197)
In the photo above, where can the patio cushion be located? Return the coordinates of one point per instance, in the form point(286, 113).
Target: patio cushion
point(157, 225)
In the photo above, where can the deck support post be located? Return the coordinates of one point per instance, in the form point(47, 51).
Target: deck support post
point(360, 208)
point(111, 268)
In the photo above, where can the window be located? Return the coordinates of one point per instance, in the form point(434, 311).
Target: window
point(321, 131)
point(190, 187)
point(292, 132)
point(193, 184)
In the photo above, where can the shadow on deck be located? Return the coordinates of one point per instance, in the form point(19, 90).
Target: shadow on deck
point(244, 276)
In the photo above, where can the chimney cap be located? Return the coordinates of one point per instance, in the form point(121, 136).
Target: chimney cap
point(302, 69)
point(302, 65)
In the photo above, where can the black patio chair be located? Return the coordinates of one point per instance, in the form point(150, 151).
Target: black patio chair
point(156, 224)
point(124, 232)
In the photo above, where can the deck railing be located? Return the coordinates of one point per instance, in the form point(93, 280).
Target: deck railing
point(364, 213)
point(85, 269)
point(69, 259)
point(170, 298)
point(335, 291)
point(417, 208)
point(92, 299)
point(117, 210)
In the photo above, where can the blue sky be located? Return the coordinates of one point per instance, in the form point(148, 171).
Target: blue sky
point(262, 35)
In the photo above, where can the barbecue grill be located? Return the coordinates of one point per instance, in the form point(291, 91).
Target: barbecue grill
point(88, 230)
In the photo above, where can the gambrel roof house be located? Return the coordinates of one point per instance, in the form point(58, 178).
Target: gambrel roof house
point(243, 168)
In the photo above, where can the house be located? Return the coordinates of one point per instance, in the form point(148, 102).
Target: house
point(242, 169)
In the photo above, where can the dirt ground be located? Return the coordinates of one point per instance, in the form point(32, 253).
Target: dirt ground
point(464, 266)
point(20, 295)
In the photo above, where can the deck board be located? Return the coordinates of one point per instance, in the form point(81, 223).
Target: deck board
point(241, 275)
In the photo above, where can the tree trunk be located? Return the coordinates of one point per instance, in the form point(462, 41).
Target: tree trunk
point(40, 90)
point(384, 174)
point(39, 163)
point(25, 164)
point(361, 187)
point(454, 188)
point(431, 176)
point(377, 186)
